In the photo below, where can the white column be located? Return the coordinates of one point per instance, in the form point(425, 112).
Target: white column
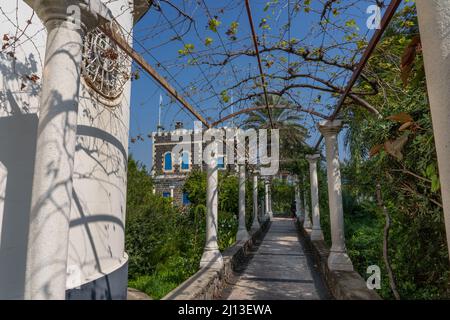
point(46, 264)
point(316, 234)
point(211, 255)
point(270, 200)
point(298, 212)
point(255, 224)
point(301, 217)
point(263, 209)
point(242, 233)
point(338, 258)
point(266, 198)
point(434, 24)
point(307, 219)
point(172, 193)
point(304, 208)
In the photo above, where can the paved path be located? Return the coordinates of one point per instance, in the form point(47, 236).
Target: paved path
point(280, 269)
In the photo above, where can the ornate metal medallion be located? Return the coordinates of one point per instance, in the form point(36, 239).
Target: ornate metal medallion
point(105, 66)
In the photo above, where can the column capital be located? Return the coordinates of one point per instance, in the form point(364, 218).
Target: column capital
point(329, 128)
point(312, 158)
point(91, 12)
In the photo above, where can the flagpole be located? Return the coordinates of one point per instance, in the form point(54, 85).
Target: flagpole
point(159, 112)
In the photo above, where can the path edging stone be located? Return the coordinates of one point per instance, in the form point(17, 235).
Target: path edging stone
point(207, 283)
point(343, 285)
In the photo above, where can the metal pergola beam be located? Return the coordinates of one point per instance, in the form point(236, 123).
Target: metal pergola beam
point(123, 44)
point(387, 17)
point(261, 72)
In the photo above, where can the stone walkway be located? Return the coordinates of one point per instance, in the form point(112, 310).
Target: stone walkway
point(279, 269)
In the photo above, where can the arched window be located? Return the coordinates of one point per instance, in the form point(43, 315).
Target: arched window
point(185, 161)
point(167, 164)
point(221, 162)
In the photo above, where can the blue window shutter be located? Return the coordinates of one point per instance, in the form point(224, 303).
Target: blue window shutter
point(186, 198)
point(168, 161)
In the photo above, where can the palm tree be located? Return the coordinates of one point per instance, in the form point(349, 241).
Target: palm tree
point(284, 118)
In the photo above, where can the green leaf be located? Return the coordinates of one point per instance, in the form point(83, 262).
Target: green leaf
point(435, 183)
point(208, 41)
point(213, 24)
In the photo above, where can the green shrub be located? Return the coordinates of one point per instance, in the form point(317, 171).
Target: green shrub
point(165, 243)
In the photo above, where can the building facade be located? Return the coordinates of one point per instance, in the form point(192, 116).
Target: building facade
point(173, 155)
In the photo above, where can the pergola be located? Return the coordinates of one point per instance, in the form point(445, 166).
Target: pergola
point(434, 18)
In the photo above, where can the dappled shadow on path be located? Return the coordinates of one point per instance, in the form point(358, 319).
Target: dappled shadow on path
point(279, 268)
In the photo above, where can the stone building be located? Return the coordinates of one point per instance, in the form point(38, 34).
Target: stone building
point(170, 166)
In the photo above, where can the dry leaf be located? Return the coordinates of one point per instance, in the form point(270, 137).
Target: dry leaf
point(401, 117)
point(395, 147)
point(33, 78)
point(408, 58)
point(375, 150)
point(405, 126)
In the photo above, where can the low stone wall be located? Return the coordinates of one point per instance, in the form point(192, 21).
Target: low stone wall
point(343, 285)
point(207, 283)
point(134, 294)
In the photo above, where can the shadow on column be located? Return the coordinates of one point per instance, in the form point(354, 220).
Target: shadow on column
point(17, 153)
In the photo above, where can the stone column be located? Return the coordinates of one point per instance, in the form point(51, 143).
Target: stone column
point(301, 217)
point(242, 234)
point(316, 233)
point(46, 264)
point(266, 198)
point(338, 258)
point(255, 224)
point(270, 200)
point(434, 24)
point(298, 212)
point(263, 209)
point(211, 255)
point(307, 219)
point(304, 208)
point(172, 188)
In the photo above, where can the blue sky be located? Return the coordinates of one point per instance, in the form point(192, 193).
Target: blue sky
point(157, 38)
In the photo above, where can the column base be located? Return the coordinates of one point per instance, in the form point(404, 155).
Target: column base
point(339, 261)
point(111, 286)
point(211, 259)
point(242, 235)
point(316, 235)
point(307, 224)
point(255, 226)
